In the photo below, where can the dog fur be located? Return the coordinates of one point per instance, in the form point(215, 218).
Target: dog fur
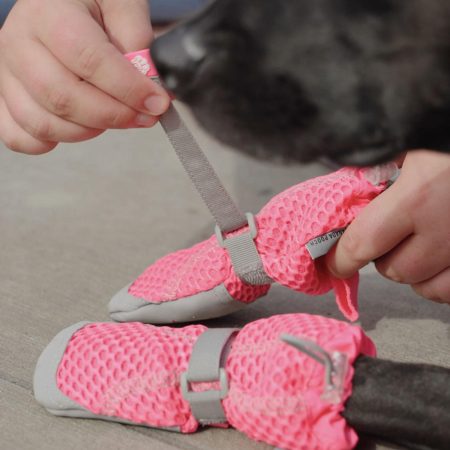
point(353, 81)
point(403, 403)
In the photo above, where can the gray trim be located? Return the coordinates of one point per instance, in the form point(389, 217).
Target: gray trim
point(85, 414)
point(206, 364)
point(46, 390)
point(216, 302)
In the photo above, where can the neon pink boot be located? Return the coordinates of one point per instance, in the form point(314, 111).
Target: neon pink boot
point(208, 281)
point(282, 380)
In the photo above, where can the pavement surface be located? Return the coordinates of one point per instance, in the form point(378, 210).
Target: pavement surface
point(80, 223)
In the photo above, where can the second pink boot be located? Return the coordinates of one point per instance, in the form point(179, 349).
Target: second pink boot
point(282, 380)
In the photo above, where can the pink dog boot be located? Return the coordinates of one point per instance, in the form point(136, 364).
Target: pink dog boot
point(238, 265)
point(282, 380)
point(225, 273)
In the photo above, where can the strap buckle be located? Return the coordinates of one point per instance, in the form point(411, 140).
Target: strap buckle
point(247, 262)
point(205, 401)
point(336, 366)
point(253, 230)
point(205, 366)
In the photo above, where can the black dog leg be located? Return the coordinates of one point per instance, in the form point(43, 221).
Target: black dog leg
point(406, 404)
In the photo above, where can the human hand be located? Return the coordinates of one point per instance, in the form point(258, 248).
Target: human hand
point(63, 77)
point(406, 230)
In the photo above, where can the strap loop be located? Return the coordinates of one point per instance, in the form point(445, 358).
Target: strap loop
point(206, 366)
point(247, 262)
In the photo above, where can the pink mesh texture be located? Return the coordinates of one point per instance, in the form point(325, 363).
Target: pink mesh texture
point(303, 212)
point(285, 225)
point(132, 371)
point(275, 390)
point(187, 272)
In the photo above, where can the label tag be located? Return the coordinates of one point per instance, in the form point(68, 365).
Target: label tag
point(143, 62)
point(321, 245)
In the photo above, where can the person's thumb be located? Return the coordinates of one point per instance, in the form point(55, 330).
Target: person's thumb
point(377, 229)
point(127, 23)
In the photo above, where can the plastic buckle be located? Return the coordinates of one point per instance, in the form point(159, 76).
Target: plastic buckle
point(205, 400)
point(251, 223)
point(334, 389)
point(336, 366)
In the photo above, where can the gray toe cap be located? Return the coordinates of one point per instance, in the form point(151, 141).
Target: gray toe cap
point(210, 304)
point(45, 388)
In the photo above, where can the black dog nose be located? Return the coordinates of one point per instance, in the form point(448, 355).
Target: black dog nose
point(177, 56)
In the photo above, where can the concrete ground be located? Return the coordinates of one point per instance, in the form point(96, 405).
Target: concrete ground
point(78, 224)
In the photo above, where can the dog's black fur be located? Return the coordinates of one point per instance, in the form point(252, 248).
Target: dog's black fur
point(406, 404)
point(357, 81)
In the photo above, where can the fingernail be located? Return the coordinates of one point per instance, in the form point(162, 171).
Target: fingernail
point(156, 105)
point(143, 120)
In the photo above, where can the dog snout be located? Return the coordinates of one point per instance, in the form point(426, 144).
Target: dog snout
point(178, 55)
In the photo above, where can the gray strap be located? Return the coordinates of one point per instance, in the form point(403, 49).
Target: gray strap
point(247, 262)
point(244, 255)
point(206, 365)
point(225, 212)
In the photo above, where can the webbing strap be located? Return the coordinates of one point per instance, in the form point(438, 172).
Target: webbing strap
point(244, 255)
point(206, 366)
point(246, 260)
point(222, 207)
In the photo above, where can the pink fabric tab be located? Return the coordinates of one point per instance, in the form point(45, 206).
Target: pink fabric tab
point(143, 62)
